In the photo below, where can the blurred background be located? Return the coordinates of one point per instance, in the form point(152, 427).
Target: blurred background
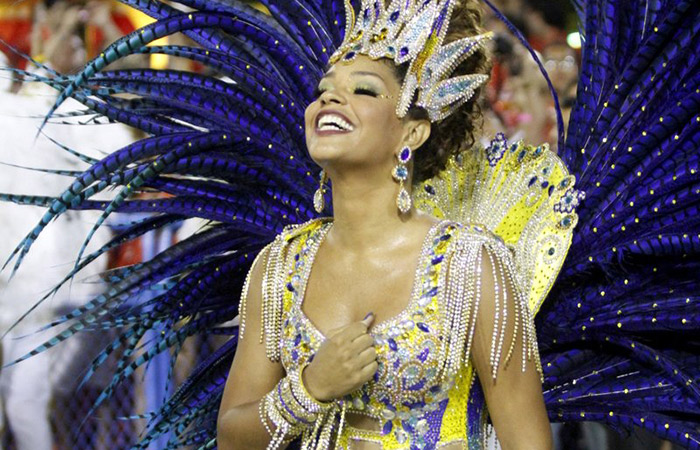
point(43, 405)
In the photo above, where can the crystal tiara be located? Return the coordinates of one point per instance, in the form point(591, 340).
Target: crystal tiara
point(413, 31)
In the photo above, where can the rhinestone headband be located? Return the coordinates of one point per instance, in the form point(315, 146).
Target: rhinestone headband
point(413, 30)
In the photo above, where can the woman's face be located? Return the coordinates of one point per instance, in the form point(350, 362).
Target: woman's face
point(353, 121)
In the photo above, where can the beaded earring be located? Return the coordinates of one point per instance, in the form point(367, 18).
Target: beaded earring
point(400, 174)
point(319, 196)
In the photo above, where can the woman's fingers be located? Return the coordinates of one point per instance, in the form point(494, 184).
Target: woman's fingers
point(367, 356)
point(361, 343)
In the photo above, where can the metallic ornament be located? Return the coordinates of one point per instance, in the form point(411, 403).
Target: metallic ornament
point(400, 174)
point(319, 195)
point(412, 31)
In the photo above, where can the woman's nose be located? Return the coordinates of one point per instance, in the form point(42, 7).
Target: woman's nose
point(331, 96)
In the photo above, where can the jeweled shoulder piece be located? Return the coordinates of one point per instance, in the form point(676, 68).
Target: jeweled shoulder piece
point(522, 193)
point(412, 31)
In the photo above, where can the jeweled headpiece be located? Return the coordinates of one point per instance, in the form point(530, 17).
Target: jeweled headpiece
point(413, 30)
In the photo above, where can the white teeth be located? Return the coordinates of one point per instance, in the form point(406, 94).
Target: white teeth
point(333, 122)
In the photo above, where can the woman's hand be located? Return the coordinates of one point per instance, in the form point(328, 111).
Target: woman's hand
point(345, 361)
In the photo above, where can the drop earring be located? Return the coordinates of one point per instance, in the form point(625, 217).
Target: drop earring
point(319, 196)
point(400, 174)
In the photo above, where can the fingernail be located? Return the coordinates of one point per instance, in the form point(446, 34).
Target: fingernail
point(368, 314)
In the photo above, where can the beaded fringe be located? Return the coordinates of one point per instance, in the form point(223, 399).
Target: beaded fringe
point(272, 290)
point(460, 317)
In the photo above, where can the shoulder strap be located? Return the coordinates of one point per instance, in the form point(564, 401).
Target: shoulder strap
point(465, 300)
point(273, 285)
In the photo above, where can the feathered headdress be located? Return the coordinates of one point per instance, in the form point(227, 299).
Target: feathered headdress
point(413, 31)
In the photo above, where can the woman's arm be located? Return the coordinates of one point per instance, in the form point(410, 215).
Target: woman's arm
point(514, 397)
point(252, 376)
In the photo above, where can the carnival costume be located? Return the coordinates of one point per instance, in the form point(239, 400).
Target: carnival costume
point(618, 332)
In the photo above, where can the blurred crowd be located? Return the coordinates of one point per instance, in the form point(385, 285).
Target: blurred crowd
point(62, 35)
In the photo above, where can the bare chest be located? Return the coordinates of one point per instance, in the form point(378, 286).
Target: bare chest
point(339, 293)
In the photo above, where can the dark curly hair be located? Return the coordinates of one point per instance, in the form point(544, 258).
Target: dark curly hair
point(457, 131)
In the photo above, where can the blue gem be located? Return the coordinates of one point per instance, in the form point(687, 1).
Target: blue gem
point(392, 344)
point(395, 16)
point(551, 251)
point(350, 55)
point(545, 184)
point(402, 172)
point(533, 180)
point(290, 288)
point(551, 189)
point(405, 155)
point(437, 260)
point(387, 428)
point(423, 327)
point(429, 189)
point(403, 52)
point(422, 356)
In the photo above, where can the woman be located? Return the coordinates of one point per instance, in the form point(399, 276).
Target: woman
point(352, 290)
point(617, 334)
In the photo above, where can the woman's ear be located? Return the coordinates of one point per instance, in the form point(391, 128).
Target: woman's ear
point(416, 132)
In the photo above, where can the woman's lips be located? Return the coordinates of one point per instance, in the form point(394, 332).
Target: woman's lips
point(331, 132)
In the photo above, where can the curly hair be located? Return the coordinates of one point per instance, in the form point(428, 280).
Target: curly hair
point(457, 131)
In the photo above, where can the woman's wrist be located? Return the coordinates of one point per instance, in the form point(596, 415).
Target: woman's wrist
point(307, 382)
point(310, 400)
point(291, 409)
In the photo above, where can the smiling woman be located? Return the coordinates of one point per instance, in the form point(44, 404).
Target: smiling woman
point(403, 319)
point(379, 320)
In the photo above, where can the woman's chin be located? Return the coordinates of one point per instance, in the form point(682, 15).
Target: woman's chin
point(324, 154)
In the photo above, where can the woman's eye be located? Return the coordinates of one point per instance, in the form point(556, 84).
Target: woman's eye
point(318, 92)
point(365, 91)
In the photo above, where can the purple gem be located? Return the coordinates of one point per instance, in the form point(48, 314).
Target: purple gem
point(295, 355)
point(394, 16)
point(423, 327)
point(418, 386)
point(403, 52)
point(422, 356)
point(392, 344)
point(297, 340)
point(386, 429)
point(405, 155)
